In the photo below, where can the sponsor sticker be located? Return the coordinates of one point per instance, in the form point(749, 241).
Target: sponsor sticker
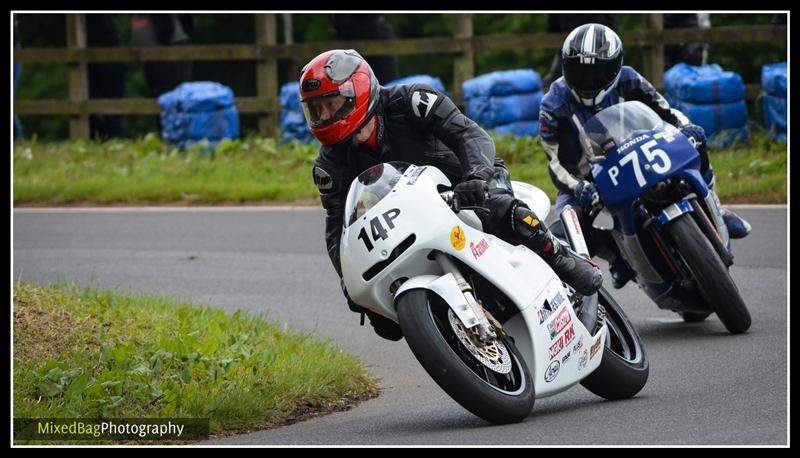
point(561, 342)
point(578, 345)
point(557, 300)
point(544, 313)
point(633, 141)
point(668, 137)
point(458, 238)
point(479, 248)
point(595, 348)
point(311, 84)
point(583, 359)
point(552, 371)
point(558, 324)
point(412, 177)
point(569, 335)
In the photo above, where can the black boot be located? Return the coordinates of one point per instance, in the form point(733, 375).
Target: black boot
point(621, 272)
point(385, 327)
point(580, 273)
point(577, 271)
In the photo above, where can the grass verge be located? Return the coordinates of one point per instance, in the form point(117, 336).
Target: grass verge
point(263, 171)
point(90, 353)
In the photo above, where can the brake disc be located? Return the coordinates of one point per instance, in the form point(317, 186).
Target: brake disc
point(493, 355)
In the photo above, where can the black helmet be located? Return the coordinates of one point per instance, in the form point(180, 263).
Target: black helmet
point(591, 62)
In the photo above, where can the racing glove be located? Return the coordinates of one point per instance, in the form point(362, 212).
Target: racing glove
point(696, 135)
point(471, 192)
point(587, 196)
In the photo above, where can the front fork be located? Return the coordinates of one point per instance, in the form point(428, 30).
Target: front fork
point(486, 331)
point(572, 227)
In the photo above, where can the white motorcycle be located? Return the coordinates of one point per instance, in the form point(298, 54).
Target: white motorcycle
point(489, 321)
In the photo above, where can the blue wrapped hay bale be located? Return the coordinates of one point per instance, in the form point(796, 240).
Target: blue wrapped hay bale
point(774, 86)
point(432, 81)
point(290, 96)
point(506, 101)
point(519, 128)
point(292, 121)
point(703, 84)
point(711, 98)
point(493, 111)
point(503, 82)
point(198, 111)
point(773, 79)
point(775, 116)
point(717, 116)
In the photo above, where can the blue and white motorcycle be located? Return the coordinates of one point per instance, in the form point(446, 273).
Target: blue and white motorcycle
point(667, 222)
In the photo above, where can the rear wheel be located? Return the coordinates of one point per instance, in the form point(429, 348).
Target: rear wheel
point(624, 369)
point(711, 276)
point(492, 381)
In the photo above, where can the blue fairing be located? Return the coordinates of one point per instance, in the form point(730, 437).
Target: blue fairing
point(620, 186)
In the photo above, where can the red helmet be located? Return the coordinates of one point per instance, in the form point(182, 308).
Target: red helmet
point(339, 92)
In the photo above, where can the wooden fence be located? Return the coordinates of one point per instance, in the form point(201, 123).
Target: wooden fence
point(266, 51)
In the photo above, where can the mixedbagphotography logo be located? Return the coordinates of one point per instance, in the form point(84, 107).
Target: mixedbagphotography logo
point(169, 429)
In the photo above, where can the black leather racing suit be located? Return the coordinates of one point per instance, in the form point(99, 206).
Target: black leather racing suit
point(422, 126)
point(433, 131)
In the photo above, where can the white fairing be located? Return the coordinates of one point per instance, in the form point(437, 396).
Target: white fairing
point(555, 344)
point(536, 199)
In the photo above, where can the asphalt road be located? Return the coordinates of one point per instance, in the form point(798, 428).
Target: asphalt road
point(706, 386)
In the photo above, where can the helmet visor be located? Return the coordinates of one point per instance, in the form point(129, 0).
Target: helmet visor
point(326, 109)
point(589, 79)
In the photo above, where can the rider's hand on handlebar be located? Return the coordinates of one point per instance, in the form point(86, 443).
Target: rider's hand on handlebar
point(696, 135)
point(587, 197)
point(471, 193)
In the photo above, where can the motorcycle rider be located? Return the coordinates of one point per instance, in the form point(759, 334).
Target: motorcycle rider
point(594, 78)
point(361, 124)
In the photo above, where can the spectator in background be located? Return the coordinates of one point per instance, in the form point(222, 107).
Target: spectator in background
point(17, 74)
point(163, 30)
point(106, 80)
point(369, 27)
point(565, 23)
point(690, 53)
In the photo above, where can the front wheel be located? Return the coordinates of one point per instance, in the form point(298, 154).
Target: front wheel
point(710, 274)
point(491, 381)
point(624, 369)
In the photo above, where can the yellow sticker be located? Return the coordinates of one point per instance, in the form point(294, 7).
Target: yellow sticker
point(457, 238)
point(531, 222)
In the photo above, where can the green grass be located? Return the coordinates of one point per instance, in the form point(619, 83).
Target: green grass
point(92, 353)
point(259, 171)
point(150, 171)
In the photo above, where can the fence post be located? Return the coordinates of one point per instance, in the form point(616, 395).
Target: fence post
point(464, 64)
point(267, 72)
point(654, 55)
point(78, 75)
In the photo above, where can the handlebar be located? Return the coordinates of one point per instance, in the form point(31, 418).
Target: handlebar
point(451, 199)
